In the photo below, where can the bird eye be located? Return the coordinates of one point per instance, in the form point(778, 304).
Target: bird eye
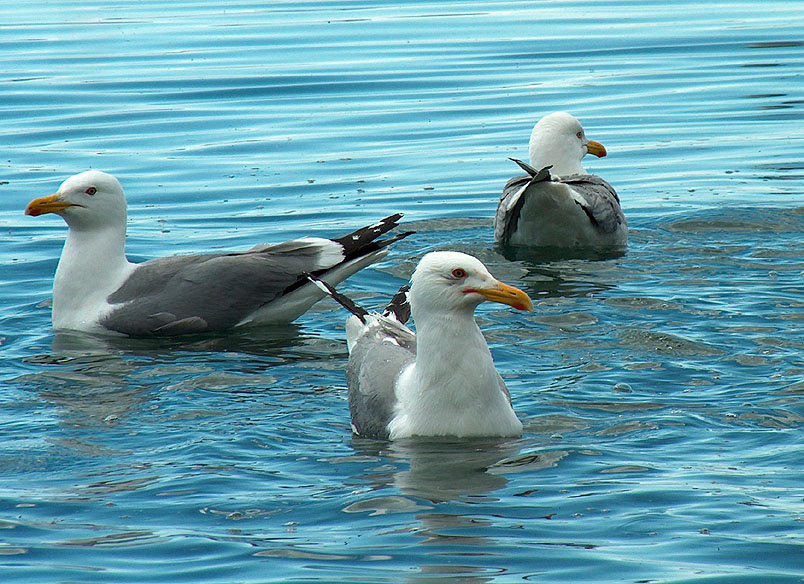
point(458, 273)
point(91, 191)
point(579, 135)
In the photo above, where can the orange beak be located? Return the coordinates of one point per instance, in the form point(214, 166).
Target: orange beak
point(505, 294)
point(51, 204)
point(596, 148)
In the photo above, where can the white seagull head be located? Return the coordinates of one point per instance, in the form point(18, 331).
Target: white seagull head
point(450, 282)
point(559, 140)
point(89, 200)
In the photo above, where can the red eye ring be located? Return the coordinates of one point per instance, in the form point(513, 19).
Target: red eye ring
point(458, 273)
point(579, 135)
point(91, 191)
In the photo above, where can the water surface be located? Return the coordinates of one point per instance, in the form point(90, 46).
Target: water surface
point(661, 390)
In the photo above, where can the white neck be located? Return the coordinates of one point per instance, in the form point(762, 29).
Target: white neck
point(564, 160)
point(93, 264)
point(434, 363)
point(452, 389)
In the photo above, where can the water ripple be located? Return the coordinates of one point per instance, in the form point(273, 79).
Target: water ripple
point(659, 388)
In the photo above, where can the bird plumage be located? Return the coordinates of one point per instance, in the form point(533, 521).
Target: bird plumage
point(557, 203)
point(96, 288)
point(441, 380)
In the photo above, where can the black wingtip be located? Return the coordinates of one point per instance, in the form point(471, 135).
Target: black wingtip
point(399, 306)
point(525, 166)
point(365, 240)
point(399, 236)
point(369, 232)
point(341, 299)
point(539, 175)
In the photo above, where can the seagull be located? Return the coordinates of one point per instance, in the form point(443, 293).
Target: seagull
point(440, 380)
point(557, 203)
point(97, 290)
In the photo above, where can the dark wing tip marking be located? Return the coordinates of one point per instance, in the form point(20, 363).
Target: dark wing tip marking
point(341, 299)
point(536, 175)
point(516, 187)
point(399, 306)
point(525, 166)
point(361, 241)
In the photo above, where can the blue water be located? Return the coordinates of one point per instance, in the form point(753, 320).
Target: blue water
point(661, 391)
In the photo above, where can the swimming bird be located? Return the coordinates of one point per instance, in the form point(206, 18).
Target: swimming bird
point(440, 380)
point(557, 203)
point(96, 289)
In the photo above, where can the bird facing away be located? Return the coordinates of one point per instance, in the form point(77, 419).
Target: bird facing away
point(557, 203)
point(441, 380)
point(96, 289)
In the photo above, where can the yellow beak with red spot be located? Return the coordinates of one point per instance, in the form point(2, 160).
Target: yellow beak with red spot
point(505, 294)
point(596, 148)
point(50, 204)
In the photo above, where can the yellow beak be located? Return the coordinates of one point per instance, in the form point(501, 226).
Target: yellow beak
point(51, 204)
point(505, 294)
point(596, 148)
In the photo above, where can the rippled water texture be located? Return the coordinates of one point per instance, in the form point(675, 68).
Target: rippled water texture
point(661, 390)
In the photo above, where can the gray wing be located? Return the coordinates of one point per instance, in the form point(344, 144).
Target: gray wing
point(509, 208)
point(504, 389)
point(601, 203)
point(375, 362)
point(197, 293)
